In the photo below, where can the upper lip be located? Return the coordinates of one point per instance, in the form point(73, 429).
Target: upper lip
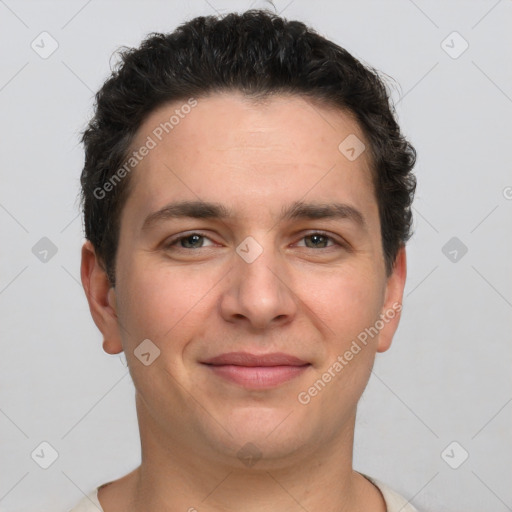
point(247, 359)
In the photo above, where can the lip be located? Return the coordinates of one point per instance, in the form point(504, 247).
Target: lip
point(253, 371)
point(248, 359)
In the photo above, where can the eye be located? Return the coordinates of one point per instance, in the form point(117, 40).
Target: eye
point(319, 240)
point(195, 240)
point(189, 241)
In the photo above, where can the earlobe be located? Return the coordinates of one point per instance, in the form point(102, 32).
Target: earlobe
point(112, 346)
point(392, 306)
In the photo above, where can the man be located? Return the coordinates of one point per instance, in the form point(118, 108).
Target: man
point(247, 199)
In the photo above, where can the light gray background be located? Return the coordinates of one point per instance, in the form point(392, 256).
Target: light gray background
point(447, 376)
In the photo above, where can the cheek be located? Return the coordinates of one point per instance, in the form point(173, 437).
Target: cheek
point(159, 302)
point(346, 302)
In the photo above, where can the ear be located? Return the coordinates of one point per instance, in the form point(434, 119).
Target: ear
point(101, 298)
point(392, 307)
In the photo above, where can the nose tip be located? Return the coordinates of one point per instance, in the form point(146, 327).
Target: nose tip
point(256, 292)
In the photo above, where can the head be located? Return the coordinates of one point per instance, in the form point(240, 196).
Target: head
point(276, 154)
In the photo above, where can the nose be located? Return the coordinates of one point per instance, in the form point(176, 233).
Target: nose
point(258, 293)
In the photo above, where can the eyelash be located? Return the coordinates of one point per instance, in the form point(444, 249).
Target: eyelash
point(175, 241)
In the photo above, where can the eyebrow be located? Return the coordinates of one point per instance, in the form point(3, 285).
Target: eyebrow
point(296, 211)
point(301, 210)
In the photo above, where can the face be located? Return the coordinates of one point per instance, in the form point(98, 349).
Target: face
point(250, 256)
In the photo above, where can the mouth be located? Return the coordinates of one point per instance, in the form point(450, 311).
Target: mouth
point(257, 371)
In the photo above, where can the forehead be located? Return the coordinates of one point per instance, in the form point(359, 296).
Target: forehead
point(228, 148)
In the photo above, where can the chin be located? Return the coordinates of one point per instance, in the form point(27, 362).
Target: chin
point(262, 437)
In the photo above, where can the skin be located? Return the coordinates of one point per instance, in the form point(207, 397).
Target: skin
point(307, 300)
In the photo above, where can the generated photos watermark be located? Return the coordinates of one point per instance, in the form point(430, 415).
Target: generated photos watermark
point(304, 397)
point(152, 141)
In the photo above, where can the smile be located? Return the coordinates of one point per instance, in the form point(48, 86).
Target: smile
point(257, 371)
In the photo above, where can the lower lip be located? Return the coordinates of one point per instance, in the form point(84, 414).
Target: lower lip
point(258, 377)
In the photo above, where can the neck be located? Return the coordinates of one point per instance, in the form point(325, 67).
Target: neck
point(180, 474)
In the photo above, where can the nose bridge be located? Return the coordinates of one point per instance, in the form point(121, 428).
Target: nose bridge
point(259, 267)
point(258, 291)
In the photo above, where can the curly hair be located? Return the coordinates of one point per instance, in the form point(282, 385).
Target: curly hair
point(259, 54)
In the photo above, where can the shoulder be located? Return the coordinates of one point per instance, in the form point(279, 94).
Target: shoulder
point(88, 503)
point(394, 502)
